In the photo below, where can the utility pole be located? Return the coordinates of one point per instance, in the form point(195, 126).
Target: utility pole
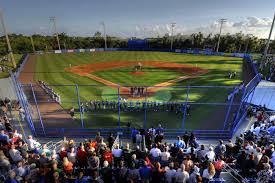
point(7, 39)
point(105, 37)
point(33, 48)
point(53, 19)
point(172, 34)
point(222, 20)
point(267, 44)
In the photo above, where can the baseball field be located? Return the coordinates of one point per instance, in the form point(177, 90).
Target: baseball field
point(103, 76)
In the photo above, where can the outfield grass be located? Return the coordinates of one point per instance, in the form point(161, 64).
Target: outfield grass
point(6, 74)
point(50, 68)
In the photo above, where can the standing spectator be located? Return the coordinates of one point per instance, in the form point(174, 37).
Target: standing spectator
point(195, 175)
point(72, 155)
point(81, 156)
point(220, 149)
point(133, 135)
point(157, 173)
point(180, 143)
point(170, 173)
point(155, 152)
point(181, 176)
point(210, 154)
point(93, 163)
point(164, 157)
point(127, 155)
point(208, 173)
point(111, 140)
point(145, 173)
point(188, 163)
point(117, 153)
point(106, 172)
point(265, 174)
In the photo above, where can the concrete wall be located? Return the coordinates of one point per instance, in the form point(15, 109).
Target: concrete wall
point(7, 89)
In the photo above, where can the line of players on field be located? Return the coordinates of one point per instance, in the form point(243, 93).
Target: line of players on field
point(97, 105)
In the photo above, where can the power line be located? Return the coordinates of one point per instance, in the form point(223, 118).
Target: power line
point(222, 21)
point(53, 19)
point(7, 39)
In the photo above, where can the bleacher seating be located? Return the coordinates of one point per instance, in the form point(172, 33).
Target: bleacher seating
point(146, 157)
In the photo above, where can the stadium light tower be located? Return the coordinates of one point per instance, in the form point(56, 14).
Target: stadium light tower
point(105, 37)
point(33, 48)
point(267, 43)
point(53, 19)
point(222, 21)
point(172, 34)
point(7, 39)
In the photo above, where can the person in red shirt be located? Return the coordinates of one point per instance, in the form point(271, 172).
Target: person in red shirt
point(108, 156)
point(81, 156)
point(63, 153)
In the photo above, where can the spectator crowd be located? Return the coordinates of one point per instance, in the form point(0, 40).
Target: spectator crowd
point(148, 158)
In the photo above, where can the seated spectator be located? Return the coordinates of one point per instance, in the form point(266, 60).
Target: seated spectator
point(15, 154)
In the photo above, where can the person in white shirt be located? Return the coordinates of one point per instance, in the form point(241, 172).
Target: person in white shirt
point(194, 174)
point(32, 143)
point(155, 152)
point(181, 175)
point(164, 157)
point(210, 154)
point(72, 155)
point(117, 153)
point(208, 173)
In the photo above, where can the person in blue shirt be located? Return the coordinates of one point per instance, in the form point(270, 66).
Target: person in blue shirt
point(4, 139)
point(180, 143)
point(133, 135)
point(145, 172)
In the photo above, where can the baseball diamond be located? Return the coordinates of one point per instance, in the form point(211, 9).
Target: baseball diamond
point(107, 80)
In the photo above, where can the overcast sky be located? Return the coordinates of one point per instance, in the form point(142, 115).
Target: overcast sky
point(141, 18)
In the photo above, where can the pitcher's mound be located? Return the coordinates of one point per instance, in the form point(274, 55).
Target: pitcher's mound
point(137, 73)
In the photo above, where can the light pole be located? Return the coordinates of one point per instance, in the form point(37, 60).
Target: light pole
point(267, 43)
point(33, 48)
point(222, 20)
point(105, 37)
point(7, 39)
point(172, 34)
point(53, 19)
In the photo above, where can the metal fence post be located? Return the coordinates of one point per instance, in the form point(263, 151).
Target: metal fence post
point(186, 102)
point(118, 98)
point(23, 103)
point(79, 106)
point(37, 108)
point(229, 109)
point(145, 110)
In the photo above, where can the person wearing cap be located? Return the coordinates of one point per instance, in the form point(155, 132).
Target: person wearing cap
point(210, 154)
point(194, 175)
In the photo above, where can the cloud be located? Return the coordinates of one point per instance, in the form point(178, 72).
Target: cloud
point(250, 25)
